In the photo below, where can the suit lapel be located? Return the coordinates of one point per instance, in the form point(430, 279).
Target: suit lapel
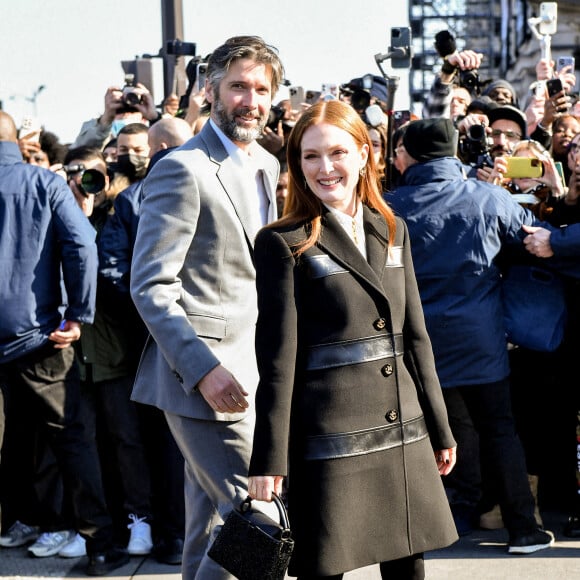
point(241, 192)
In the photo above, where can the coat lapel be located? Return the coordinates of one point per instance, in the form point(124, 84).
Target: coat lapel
point(376, 233)
point(340, 247)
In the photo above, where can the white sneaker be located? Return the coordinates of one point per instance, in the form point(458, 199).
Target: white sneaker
point(140, 542)
point(50, 543)
point(18, 534)
point(75, 548)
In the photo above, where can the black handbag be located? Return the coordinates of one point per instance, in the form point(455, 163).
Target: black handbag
point(251, 545)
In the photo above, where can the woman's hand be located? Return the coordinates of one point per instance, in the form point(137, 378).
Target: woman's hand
point(496, 176)
point(260, 487)
point(446, 459)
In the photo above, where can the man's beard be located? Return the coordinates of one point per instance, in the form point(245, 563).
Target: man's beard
point(227, 123)
point(499, 151)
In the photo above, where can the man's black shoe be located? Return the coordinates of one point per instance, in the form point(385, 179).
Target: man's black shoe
point(102, 563)
point(169, 551)
point(532, 542)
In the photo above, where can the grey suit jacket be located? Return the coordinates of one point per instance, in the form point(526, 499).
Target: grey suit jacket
point(192, 275)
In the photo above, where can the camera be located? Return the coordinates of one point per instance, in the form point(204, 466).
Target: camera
point(276, 115)
point(179, 48)
point(132, 96)
point(474, 148)
point(469, 79)
point(92, 180)
point(445, 45)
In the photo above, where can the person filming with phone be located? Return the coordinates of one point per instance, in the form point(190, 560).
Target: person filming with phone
point(531, 174)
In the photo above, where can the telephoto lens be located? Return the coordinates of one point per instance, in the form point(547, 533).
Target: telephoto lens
point(92, 181)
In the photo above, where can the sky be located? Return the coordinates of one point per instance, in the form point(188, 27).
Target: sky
point(74, 48)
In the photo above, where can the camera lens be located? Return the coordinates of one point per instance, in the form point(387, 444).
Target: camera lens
point(92, 181)
point(476, 132)
point(132, 98)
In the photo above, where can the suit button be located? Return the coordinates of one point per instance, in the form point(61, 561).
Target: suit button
point(387, 370)
point(178, 376)
point(380, 324)
point(392, 415)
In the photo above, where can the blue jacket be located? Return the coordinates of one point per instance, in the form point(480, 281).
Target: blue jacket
point(42, 231)
point(457, 227)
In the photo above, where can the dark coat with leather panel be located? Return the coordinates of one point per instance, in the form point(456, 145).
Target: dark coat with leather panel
point(349, 405)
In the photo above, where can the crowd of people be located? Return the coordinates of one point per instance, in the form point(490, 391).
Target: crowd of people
point(214, 301)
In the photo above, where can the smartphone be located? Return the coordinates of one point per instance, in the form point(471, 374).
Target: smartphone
point(523, 167)
point(330, 90)
point(200, 74)
point(549, 18)
point(30, 129)
point(554, 86)
point(312, 97)
point(297, 97)
point(565, 61)
point(401, 38)
point(560, 171)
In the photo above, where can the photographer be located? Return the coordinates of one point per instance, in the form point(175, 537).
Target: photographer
point(457, 81)
point(474, 140)
point(129, 104)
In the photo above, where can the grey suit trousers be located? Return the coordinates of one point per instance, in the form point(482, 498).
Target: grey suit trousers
point(217, 455)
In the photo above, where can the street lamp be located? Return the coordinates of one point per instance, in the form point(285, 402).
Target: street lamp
point(31, 99)
point(34, 97)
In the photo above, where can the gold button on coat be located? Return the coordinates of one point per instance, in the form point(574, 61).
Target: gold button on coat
point(387, 370)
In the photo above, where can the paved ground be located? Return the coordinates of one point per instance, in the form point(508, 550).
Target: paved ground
point(479, 556)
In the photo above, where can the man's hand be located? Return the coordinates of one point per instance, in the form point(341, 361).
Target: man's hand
point(146, 107)
point(465, 60)
point(68, 332)
point(471, 120)
point(113, 101)
point(222, 391)
point(537, 242)
point(272, 141)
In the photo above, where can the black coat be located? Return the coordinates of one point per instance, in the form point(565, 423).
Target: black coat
point(349, 405)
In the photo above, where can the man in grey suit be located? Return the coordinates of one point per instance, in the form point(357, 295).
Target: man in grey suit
point(193, 282)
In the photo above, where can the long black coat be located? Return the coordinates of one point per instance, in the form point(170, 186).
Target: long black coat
point(349, 405)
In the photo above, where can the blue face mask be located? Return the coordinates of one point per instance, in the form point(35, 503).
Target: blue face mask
point(118, 124)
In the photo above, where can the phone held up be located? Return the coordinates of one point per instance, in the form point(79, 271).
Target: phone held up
point(523, 167)
point(565, 61)
point(297, 97)
point(401, 47)
point(554, 87)
point(30, 129)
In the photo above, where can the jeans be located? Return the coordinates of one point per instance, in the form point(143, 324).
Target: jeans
point(51, 377)
point(108, 404)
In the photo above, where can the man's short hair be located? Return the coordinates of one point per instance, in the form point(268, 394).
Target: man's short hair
point(237, 47)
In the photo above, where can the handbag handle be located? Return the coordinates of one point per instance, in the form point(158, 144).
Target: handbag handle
point(284, 521)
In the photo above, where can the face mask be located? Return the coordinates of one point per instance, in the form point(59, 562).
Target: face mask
point(118, 124)
point(133, 166)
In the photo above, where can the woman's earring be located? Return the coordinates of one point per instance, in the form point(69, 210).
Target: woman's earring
point(362, 171)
